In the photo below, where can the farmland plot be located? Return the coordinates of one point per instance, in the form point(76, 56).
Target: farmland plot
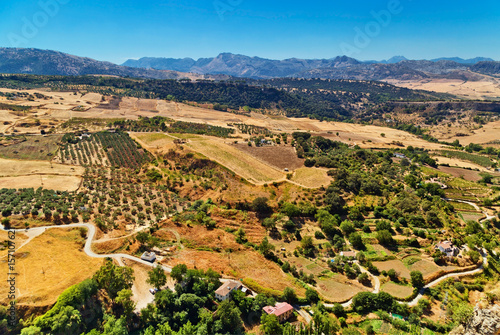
point(235, 160)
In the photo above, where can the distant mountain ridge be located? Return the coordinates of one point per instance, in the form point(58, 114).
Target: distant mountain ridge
point(227, 65)
point(48, 62)
point(465, 61)
point(342, 67)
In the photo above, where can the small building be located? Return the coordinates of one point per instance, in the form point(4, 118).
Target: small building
point(282, 310)
point(349, 254)
point(398, 155)
point(148, 256)
point(448, 248)
point(224, 292)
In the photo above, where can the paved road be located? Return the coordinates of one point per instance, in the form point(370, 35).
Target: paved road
point(88, 243)
point(91, 231)
point(488, 217)
point(451, 275)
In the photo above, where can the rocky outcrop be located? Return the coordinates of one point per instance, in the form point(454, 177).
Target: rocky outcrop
point(485, 321)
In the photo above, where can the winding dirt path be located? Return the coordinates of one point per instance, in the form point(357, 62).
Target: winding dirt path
point(91, 231)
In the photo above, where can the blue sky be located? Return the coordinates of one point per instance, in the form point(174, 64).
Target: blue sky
point(117, 30)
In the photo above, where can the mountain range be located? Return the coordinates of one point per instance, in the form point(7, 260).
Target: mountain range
point(227, 65)
point(341, 67)
point(48, 62)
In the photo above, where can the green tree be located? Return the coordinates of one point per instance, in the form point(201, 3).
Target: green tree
point(269, 223)
point(113, 326)
point(241, 235)
point(308, 245)
point(417, 279)
point(347, 228)
point(261, 206)
point(178, 272)
point(114, 278)
point(392, 274)
point(384, 237)
point(312, 296)
point(270, 324)
point(124, 299)
point(229, 318)
point(363, 278)
point(289, 295)
point(31, 330)
point(462, 313)
point(157, 277)
point(142, 237)
point(265, 247)
point(338, 310)
point(356, 241)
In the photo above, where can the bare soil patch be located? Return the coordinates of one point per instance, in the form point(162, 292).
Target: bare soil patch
point(280, 157)
point(140, 289)
point(459, 173)
point(397, 265)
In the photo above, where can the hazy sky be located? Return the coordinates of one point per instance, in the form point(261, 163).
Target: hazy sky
point(117, 30)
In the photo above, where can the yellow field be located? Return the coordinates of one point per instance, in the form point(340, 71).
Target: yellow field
point(455, 162)
point(486, 88)
point(398, 291)
point(311, 177)
point(26, 174)
point(488, 132)
point(154, 141)
point(366, 136)
point(50, 182)
point(47, 266)
point(235, 160)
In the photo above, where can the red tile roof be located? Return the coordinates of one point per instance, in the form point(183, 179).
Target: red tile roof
point(278, 309)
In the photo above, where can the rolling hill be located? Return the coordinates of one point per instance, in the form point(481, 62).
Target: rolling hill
point(47, 62)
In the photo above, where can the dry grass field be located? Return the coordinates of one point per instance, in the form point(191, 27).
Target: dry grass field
point(132, 108)
point(26, 174)
point(239, 265)
point(395, 264)
point(488, 133)
point(157, 142)
point(48, 265)
point(454, 162)
point(486, 88)
point(257, 165)
point(425, 266)
point(396, 290)
point(51, 182)
point(339, 288)
point(311, 177)
point(235, 160)
point(32, 148)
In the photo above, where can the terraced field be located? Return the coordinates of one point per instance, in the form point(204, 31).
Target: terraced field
point(235, 160)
